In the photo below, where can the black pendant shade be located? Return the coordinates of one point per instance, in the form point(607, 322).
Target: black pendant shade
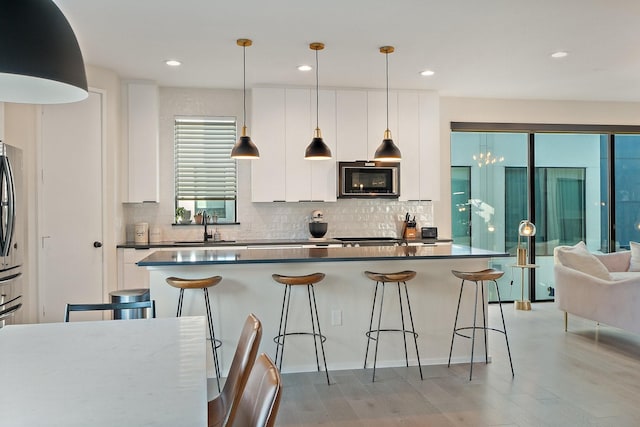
point(244, 148)
point(317, 150)
point(387, 151)
point(40, 59)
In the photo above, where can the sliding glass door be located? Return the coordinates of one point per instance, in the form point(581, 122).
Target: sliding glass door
point(556, 180)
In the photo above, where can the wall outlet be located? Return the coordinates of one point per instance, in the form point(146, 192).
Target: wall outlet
point(336, 317)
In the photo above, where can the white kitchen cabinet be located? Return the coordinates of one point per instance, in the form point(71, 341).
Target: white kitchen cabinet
point(377, 119)
point(351, 125)
point(298, 134)
point(130, 276)
point(419, 143)
point(324, 172)
point(142, 142)
point(284, 122)
point(268, 133)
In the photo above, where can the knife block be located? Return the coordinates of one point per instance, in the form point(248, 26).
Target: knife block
point(410, 233)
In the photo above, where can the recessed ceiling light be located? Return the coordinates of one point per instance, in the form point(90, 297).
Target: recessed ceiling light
point(305, 68)
point(173, 63)
point(427, 73)
point(559, 54)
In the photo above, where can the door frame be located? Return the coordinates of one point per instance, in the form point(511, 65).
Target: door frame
point(38, 241)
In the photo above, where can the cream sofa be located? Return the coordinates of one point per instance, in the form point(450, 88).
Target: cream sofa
point(599, 287)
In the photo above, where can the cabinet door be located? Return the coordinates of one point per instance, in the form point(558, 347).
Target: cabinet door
point(351, 125)
point(408, 140)
point(143, 156)
point(377, 119)
point(324, 172)
point(429, 146)
point(268, 133)
point(298, 134)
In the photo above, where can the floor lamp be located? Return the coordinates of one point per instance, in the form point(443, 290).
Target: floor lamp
point(525, 229)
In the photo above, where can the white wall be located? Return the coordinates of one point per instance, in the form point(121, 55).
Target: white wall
point(374, 217)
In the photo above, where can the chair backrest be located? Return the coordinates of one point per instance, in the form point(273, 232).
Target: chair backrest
point(261, 397)
point(223, 408)
point(111, 306)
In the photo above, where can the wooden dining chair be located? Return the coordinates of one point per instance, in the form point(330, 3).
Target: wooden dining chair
point(151, 305)
point(261, 397)
point(222, 409)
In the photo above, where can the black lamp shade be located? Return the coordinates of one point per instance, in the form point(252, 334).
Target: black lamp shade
point(40, 59)
point(317, 150)
point(245, 149)
point(387, 151)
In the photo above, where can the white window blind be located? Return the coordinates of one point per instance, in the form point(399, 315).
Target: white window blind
point(204, 169)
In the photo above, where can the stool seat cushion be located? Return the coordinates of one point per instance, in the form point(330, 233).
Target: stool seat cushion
point(308, 279)
point(400, 276)
point(488, 274)
point(177, 282)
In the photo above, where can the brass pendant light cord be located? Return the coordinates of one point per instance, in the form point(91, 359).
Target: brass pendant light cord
point(317, 93)
point(386, 58)
point(244, 86)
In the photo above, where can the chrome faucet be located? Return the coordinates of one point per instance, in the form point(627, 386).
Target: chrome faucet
point(207, 234)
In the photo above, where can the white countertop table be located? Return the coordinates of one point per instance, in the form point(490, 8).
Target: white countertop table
point(143, 372)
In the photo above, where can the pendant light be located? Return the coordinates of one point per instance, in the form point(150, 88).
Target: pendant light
point(387, 151)
point(41, 62)
point(244, 148)
point(317, 149)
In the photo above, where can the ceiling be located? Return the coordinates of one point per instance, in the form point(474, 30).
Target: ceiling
point(477, 48)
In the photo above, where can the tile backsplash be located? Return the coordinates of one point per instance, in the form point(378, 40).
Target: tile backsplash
point(345, 218)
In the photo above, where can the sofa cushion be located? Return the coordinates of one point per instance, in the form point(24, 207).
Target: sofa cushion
point(579, 258)
point(634, 265)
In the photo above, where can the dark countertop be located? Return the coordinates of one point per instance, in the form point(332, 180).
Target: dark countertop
point(263, 242)
point(294, 255)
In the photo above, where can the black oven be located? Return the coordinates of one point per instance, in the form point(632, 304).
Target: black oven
point(368, 179)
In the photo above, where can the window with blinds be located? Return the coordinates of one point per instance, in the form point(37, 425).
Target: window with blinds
point(205, 174)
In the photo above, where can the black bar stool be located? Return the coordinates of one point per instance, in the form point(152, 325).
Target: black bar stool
point(308, 281)
point(381, 279)
point(203, 284)
point(491, 275)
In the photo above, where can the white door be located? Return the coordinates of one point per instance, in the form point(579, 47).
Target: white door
point(70, 211)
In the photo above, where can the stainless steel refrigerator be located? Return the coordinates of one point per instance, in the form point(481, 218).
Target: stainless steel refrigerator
point(12, 233)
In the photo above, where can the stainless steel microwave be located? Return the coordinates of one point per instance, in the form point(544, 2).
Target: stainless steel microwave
point(368, 179)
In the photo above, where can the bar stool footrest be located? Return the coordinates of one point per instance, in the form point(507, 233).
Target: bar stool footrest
point(406, 331)
point(477, 327)
point(278, 339)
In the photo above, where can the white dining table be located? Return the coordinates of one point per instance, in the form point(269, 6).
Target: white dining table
point(143, 372)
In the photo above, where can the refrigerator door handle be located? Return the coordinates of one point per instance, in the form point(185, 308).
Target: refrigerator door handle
point(9, 279)
point(8, 208)
point(9, 311)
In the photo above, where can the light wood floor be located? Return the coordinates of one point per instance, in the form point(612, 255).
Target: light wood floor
point(588, 376)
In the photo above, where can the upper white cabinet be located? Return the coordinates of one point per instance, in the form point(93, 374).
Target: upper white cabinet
point(142, 142)
point(418, 138)
point(268, 133)
point(353, 124)
point(283, 122)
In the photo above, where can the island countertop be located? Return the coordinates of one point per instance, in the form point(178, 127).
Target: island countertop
point(298, 255)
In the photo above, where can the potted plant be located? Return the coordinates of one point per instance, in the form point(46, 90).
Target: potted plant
point(198, 217)
point(183, 216)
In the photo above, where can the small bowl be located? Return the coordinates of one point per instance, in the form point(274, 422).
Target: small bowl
point(318, 229)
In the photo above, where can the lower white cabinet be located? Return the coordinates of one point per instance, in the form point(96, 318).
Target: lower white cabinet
point(130, 276)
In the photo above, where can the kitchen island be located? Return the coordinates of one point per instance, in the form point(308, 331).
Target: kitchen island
point(344, 297)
